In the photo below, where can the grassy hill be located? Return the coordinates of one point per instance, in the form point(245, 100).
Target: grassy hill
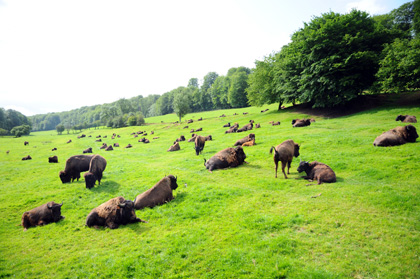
point(234, 223)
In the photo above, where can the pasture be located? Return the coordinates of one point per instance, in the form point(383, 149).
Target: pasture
point(233, 223)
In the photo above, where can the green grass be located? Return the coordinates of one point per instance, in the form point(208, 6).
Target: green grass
point(234, 223)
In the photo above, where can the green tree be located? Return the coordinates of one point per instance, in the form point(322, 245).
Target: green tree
point(416, 17)
point(3, 132)
point(236, 94)
point(181, 104)
point(219, 92)
point(60, 129)
point(19, 131)
point(205, 97)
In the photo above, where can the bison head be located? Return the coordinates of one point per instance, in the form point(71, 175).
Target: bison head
point(411, 133)
point(65, 177)
point(127, 213)
point(90, 180)
point(303, 166)
point(173, 179)
point(55, 210)
point(400, 118)
point(240, 154)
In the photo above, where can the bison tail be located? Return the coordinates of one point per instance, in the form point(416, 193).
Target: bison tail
point(204, 161)
point(271, 149)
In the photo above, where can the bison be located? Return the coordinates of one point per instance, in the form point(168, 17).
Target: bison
point(54, 149)
point(317, 171)
point(69, 141)
point(74, 166)
point(96, 168)
point(284, 152)
point(53, 159)
point(229, 157)
point(301, 122)
point(397, 136)
point(26, 143)
point(258, 125)
point(174, 147)
point(275, 123)
point(116, 144)
point(233, 128)
point(209, 138)
point(200, 141)
point(192, 139)
point(27, 158)
point(104, 145)
point(159, 194)
point(113, 213)
point(245, 139)
point(42, 215)
point(226, 125)
point(87, 150)
point(109, 148)
point(247, 127)
point(249, 143)
point(406, 118)
point(128, 146)
point(181, 138)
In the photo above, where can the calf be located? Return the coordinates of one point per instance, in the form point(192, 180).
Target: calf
point(284, 152)
point(159, 194)
point(317, 171)
point(245, 139)
point(42, 215)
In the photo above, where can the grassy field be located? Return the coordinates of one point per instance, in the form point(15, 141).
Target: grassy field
point(233, 223)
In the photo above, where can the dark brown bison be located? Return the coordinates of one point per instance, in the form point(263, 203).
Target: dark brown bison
point(69, 141)
point(42, 215)
point(275, 123)
point(174, 147)
point(406, 118)
point(247, 127)
point(96, 168)
point(159, 194)
point(192, 131)
point(27, 158)
point(190, 121)
point(200, 141)
point(181, 138)
point(245, 139)
point(209, 138)
point(74, 166)
point(301, 122)
point(128, 146)
point(284, 152)
point(98, 140)
point(233, 128)
point(227, 125)
point(397, 136)
point(87, 150)
point(265, 110)
point(26, 143)
point(317, 171)
point(113, 213)
point(104, 145)
point(116, 144)
point(229, 157)
point(257, 126)
point(109, 148)
point(199, 130)
point(54, 149)
point(186, 127)
point(53, 159)
point(223, 115)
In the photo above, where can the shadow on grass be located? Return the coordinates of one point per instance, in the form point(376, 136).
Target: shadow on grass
point(106, 186)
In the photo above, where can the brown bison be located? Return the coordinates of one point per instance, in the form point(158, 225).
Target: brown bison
point(104, 145)
point(265, 110)
point(199, 130)
point(247, 127)
point(200, 141)
point(96, 168)
point(209, 138)
point(229, 157)
point(284, 152)
point(174, 147)
point(233, 128)
point(87, 150)
point(74, 166)
point(257, 126)
point(54, 149)
point(245, 139)
point(116, 144)
point(190, 121)
point(109, 148)
point(406, 118)
point(317, 171)
point(113, 213)
point(53, 159)
point(98, 140)
point(181, 138)
point(69, 141)
point(159, 194)
point(249, 143)
point(275, 123)
point(192, 139)
point(397, 136)
point(301, 122)
point(226, 125)
point(42, 215)
point(27, 158)
point(128, 146)
point(26, 143)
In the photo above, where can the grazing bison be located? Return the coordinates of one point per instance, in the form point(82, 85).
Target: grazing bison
point(249, 143)
point(42, 215)
point(209, 138)
point(229, 157)
point(87, 150)
point(227, 125)
point(159, 194)
point(174, 147)
point(233, 128)
point(406, 118)
point(301, 122)
point(199, 144)
point(247, 127)
point(317, 171)
point(53, 159)
point(397, 136)
point(74, 166)
point(245, 139)
point(27, 158)
point(113, 213)
point(96, 168)
point(284, 152)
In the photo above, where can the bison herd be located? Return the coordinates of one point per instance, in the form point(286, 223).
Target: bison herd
point(120, 211)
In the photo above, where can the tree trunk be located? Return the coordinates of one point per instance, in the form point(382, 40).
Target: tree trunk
point(280, 103)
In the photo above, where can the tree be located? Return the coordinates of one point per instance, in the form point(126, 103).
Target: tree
point(236, 93)
point(60, 129)
point(219, 92)
point(19, 131)
point(205, 97)
point(181, 104)
point(3, 132)
point(193, 82)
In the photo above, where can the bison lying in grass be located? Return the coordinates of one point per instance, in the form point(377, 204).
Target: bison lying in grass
point(113, 213)
point(301, 122)
point(227, 158)
point(159, 194)
point(317, 171)
point(397, 136)
point(248, 138)
point(42, 215)
point(406, 118)
point(284, 152)
point(174, 147)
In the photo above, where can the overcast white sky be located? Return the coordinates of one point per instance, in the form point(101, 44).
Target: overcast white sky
point(60, 55)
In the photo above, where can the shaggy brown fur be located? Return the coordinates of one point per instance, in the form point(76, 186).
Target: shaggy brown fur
point(397, 136)
point(159, 194)
point(200, 141)
point(317, 171)
point(229, 157)
point(284, 152)
point(406, 118)
point(96, 168)
point(74, 166)
point(245, 139)
point(249, 143)
point(42, 215)
point(174, 147)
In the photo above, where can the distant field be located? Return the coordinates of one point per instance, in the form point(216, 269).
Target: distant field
point(233, 223)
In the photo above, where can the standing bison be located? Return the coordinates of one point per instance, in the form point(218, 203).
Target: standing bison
point(74, 166)
point(42, 215)
point(113, 213)
point(397, 136)
point(284, 152)
point(159, 194)
point(406, 118)
point(229, 157)
point(96, 168)
point(200, 141)
point(317, 171)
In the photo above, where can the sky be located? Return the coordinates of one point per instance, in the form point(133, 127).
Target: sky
point(58, 55)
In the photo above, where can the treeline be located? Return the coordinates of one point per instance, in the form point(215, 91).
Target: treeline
point(14, 123)
point(329, 61)
point(334, 58)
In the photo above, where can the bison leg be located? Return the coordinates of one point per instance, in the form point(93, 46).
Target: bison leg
point(112, 225)
point(277, 165)
point(288, 167)
point(283, 166)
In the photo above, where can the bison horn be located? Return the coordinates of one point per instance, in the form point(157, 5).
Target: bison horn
point(61, 204)
point(176, 177)
point(122, 205)
point(49, 207)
